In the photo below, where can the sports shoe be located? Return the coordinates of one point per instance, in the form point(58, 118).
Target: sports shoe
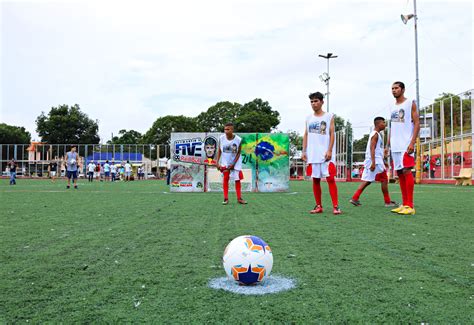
point(391, 204)
point(355, 202)
point(317, 209)
point(336, 211)
point(75, 187)
point(396, 210)
point(68, 187)
point(226, 201)
point(408, 211)
point(241, 201)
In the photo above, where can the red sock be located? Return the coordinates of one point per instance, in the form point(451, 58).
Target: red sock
point(409, 188)
point(226, 185)
point(238, 189)
point(386, 197)
point(332, 190)
point(402, 181)
point(356, 195)
point(317, 190)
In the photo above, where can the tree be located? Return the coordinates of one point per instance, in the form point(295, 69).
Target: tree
point(67, 125)
point(13, 134)
point(447, 98)
point(127, 137)
point(359, 147)
point(296, 142)
point(257, 116)
point(216, 116)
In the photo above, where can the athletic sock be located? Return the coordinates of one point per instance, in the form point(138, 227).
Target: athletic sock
point(386, 197)
point(317, 190)
point(357, 194)
point(409, 188)
point(333, 190)
point(226, 185)
point(402, 181)
point(238, 189)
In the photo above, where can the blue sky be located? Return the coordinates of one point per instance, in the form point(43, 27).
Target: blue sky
point(127, 63)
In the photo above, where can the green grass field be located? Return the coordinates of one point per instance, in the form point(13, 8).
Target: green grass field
point(132, 252)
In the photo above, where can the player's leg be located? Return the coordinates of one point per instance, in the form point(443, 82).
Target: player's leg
point(355, 198)
point(69, 175)
point(238, 175)
point(74, 178)
point(316, 177)
point(331, 180)
point(225, 186)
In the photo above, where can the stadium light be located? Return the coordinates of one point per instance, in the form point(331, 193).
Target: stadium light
point(325, 76)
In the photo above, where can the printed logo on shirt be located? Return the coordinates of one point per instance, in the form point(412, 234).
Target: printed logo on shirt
point(318, 127)
point(230, 148)
point(398, 116)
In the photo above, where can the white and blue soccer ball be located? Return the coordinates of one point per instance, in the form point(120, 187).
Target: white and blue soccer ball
point(248, 260)
point(72, 162)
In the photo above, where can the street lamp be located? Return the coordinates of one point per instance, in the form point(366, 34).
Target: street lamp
point(405, 19)
point(325, 76)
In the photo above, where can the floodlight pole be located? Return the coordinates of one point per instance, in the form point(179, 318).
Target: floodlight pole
point(327, 57)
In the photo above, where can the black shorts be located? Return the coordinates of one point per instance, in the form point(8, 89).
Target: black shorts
point(72, 174)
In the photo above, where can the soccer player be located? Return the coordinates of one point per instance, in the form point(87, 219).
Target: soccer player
point(53, 167)
point(319, 151)
point(374, 166)
point(106, 170)
point(128, 171)
point(72, 158)
point(113, 171)
point(229, 162)
point(404, 128)
point(90, 171)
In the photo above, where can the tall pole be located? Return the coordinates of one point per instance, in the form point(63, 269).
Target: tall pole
point(418, 146)
point(326, 79)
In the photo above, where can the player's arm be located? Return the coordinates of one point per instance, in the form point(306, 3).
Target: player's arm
point(332, 137)
point(305, 143)
point(218, 159)
point(416, 127)
point(373, 144)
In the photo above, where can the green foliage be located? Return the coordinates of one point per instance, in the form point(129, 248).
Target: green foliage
point(13, 134)
point(67, 125)
point(296, 142)
point(127, 137)
point(216, 116)
point(360, 145)
point(446, 99)
point(136, 253)
point(257, 116)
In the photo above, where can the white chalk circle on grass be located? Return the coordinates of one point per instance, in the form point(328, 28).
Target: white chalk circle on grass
point(272, 284)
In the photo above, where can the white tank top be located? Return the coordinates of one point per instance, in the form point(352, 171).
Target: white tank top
point(229, 149)
point(318, 138)
point(401, 126)
point(378, 148)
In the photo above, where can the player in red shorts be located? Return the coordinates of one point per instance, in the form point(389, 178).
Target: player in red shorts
point(374, 165)
point(404, 128)
point(319, 151)
point(229, 162)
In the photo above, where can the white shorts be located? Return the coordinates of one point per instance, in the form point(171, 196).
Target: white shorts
point(127, 174)
point(320, 170)
point(368, 175)
point(53, 174)
point(403, 160)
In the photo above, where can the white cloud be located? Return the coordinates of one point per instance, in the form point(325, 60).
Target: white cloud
point(127, 63)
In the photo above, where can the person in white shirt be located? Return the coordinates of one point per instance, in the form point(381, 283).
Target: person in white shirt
point(113, 171)
point(128, 171)
point(229, 162)
point(374, 165)
point(319, 151)
point(90, 171)
point(404, 129)
point(106, 170)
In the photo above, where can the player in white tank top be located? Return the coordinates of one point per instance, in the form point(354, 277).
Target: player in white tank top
point(374, 166)
point(404, 129)
point(229, 162)
point(319, 151)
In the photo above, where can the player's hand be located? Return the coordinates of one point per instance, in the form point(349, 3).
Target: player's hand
point(386, 152)
point(303, 157)
point(231, 167)
point(372, 167)
point(328, 155)
point(410, 149)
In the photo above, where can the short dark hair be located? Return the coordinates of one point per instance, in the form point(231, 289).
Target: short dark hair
point(399, 83)
point(316, 95)
point(378, 118)
point(211, 141)
point(229, 124)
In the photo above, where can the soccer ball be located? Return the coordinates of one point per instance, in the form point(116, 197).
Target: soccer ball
point(72, 162)
point(248, 260)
